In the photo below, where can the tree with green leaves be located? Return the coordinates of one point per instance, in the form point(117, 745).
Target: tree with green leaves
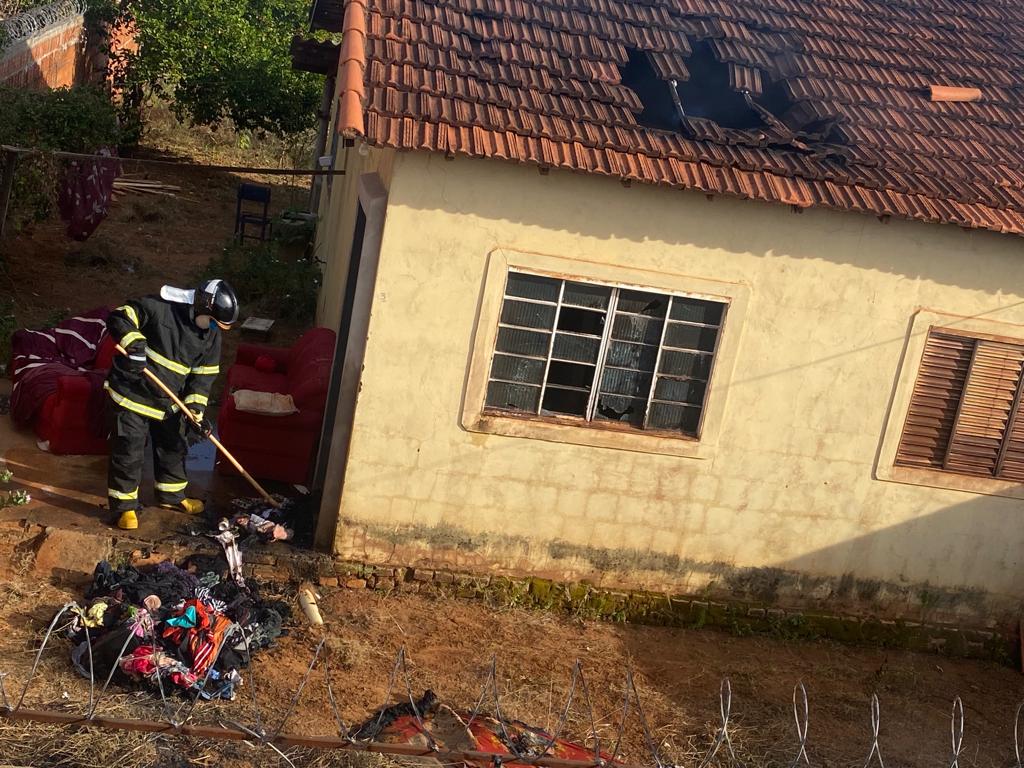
point(220, 59)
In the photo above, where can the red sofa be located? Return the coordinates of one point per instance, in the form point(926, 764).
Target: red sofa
point(64, 419)
point(279, 448)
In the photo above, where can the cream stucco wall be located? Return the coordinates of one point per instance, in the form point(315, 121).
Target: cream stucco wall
point(337, 215)
point(786, 507)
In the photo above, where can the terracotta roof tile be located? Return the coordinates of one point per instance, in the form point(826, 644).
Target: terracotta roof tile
point(540, 81)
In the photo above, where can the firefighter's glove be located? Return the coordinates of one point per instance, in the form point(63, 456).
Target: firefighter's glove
point(196, 433)
point(135, 361)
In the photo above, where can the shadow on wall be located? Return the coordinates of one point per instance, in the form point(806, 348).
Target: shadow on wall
point(602, 209)
point(968, 544)
point(971, 543)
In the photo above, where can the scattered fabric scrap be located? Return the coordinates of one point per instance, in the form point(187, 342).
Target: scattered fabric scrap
point(432, 724)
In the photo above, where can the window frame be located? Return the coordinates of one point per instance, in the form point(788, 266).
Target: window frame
point(887, 469)
point(611, 313)
point(477, 417)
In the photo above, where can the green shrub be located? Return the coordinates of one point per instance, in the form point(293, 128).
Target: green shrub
point(266, 284)
point(79, 119)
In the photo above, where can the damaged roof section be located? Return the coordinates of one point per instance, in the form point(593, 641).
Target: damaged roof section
point(886, 107)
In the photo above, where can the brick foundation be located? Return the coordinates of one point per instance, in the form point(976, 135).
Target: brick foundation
point(579, 600)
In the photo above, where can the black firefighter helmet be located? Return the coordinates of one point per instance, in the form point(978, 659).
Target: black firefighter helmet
point(218, 300)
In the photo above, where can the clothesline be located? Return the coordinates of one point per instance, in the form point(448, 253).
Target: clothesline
point(7, 148)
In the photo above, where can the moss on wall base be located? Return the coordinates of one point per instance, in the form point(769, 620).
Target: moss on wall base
point(585, 601)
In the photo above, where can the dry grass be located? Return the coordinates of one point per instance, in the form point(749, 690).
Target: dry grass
point(450, 645)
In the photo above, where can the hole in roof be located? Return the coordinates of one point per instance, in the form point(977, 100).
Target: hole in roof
point(655, 94)
point(707, 93)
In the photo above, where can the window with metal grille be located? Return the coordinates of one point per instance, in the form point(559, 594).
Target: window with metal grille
point(964, 410)
point(603, 355)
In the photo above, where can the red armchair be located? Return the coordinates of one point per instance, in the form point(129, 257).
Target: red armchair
point(278, 447)
point(64, 420)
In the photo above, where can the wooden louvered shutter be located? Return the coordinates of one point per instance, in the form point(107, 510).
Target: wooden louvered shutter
point(985, 409)
point(1011, 466)
point(935, 400)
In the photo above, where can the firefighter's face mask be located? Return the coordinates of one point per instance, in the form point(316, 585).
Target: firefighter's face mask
point(205, 321)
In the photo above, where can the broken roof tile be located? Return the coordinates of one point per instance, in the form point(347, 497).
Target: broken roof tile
point(540, 81)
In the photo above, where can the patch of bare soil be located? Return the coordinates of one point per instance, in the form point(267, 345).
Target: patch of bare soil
point(450, 644)
point(145, 242)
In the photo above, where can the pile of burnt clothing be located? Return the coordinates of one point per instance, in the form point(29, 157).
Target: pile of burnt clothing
point(258, 518)
point(189, 629)
point(251, 520)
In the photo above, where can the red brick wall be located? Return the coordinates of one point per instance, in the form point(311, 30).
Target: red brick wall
point(49, 59)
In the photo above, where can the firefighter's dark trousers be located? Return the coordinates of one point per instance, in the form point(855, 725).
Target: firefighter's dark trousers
point(128, 434)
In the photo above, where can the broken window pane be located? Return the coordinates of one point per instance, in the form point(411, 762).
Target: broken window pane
point(583, 349)
point(518, 369)
point(685, 418)
point(528, 314)
point(512, 397)
point(522, 342)
point(690, 337)
point(581, 321)
point(688, 364)
point(650, 304)
point(617, 381)
point(623, 354)
point(637, 328)
point(571, 375)
point(568, 401)
point(552, 336)
point(618, 408)
point(583, 295)
point(697, 311)
point(532, 287)
point(680, 390)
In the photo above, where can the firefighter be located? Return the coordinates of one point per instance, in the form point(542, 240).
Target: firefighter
point(177, 336)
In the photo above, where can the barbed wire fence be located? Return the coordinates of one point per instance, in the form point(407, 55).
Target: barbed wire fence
point(178, 720)
point(25, 23)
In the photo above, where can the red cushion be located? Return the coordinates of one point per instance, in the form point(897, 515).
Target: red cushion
point(271, 447)
point(279, 447)
point(314, 344)
point(244, 377)
point(105, 356)
point(265, 364)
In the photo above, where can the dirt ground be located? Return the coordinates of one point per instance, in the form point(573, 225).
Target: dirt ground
point(450, 644)
point(147, 240)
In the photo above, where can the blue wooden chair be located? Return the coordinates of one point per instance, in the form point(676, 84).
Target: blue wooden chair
point(252, 209)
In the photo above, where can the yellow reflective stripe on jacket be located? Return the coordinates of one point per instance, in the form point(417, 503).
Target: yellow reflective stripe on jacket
point(170, 365)
point(122, 496)
point(130, 337)
point(206, 370)
point(198, 399)
point(131, 313)
point(171, 487)
point(131, 405)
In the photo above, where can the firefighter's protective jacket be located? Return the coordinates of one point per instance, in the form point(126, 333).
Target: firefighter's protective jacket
point(183, 356)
